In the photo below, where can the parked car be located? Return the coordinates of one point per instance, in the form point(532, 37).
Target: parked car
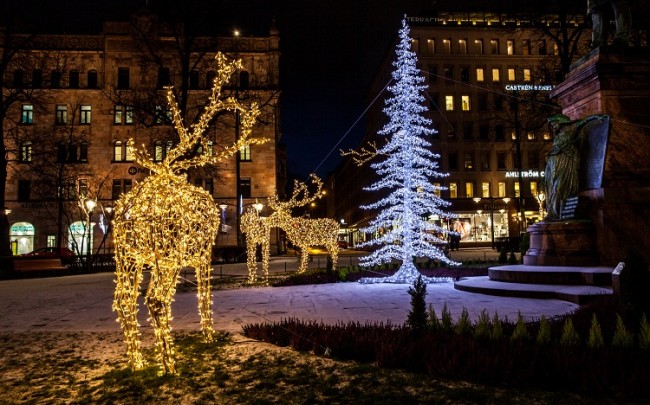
point(66, 255)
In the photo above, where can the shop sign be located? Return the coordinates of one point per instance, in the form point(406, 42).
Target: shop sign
point(529, 87)
point(532, 174)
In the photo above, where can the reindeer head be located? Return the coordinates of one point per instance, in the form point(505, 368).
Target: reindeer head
point(299, 198)
point(174, 163)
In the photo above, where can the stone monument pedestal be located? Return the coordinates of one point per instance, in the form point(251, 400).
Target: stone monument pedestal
point(562, 243)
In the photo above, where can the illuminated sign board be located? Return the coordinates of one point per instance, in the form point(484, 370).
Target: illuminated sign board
point(529, 87)
point(531, 174)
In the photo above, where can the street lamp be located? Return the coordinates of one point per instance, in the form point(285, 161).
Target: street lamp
point(540, 200)
point(90, 206)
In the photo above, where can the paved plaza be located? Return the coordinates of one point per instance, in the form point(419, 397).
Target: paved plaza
point(83, 302)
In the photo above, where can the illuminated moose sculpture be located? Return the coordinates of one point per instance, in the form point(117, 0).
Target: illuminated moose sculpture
point(302, 232)
point(164, 223)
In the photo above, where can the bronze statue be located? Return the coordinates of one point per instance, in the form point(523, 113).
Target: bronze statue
point(598, 9)
point(562, 173)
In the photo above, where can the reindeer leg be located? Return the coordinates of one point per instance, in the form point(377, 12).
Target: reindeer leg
point(203, 270)
point(251, 260)
point(128, 275)
point(266, 253)
point(333, 250)
point(159, 296)
point(304, 259)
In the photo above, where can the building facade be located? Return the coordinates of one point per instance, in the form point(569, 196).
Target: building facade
point(93, 100)
point(488, 78)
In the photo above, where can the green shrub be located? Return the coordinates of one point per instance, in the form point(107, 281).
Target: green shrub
point(644, 334)
point(569, 335)
point(432, 320)
point(595, 340)
point(497, 329)
point(622, 338)
point(464, 325)
point(512, 258)
point(482, 327)
point(417, 316)
point(521, 332)
point(544, 336)
point(446, 321)
point(343, 273)
point(503, 255)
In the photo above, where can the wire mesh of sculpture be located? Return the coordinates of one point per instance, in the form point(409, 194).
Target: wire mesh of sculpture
point(402, 223)
point(165, 224)
point(258, 232)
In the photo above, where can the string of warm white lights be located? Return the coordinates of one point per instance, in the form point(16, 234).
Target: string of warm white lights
point(402, 224)
point(302, 232)
point(165, 224)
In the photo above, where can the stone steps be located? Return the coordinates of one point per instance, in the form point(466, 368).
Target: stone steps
point(578, 285)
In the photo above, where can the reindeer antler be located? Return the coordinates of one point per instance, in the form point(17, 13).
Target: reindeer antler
point(299, 188)
point(190, 138)
point(363, 155)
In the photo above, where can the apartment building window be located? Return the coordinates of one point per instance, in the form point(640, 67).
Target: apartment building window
point(24, 187)
point(465, 103)
point(525, 47)
point(469, 189)
point(83, 152)
point(205, 183)
point(55, 79)
point(163, 115)
point(209, 78)
point(92, 79)
point(431, 46)
point(527, 75)
point(86, 114)
point(158, 151)
point(531, 136)
point(556, 50)
point(245, 187)
point(546, 136)
point(433, 74)
point(469, 161)
point(541, 47)
point(37, 78)
point(482, 102)
point(164, 77)
point(485, 160)
point(73, 79)
point(194, 79)
point(496, 76)
point(484, 133)
point(499, 133)
point(468, 131)
point(122, 78)
point(446, 46)
point(464, 74)
point(501, 160)
point(513, 135)
point(120, 186)
point(453, 161)
point(533, 188)
point(27, 115)
point(478, 46)
point(83, 188)
point(415, 45)
point(118, 154)
point(494, 46)
point(511, 74)
point(498, 103)
point(19, 79)
point(449, 72)
point(485, 189)
point(510, 46)
point(501, 189)
point(517, 189)
point(453, 190)
point(244, 79)
point(25, 155)
point(480, 74)
point(72, 152)
point(129, 152)
point(245, 153)
point(462, 46)
point(449, 103)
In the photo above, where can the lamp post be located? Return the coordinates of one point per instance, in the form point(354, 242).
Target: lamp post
point(541, 197)
point(90, 206)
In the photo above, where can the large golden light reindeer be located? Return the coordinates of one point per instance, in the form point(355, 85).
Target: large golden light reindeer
point(164, 224)
point(304, 232)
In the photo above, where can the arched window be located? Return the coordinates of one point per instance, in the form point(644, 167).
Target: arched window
point(118, 154)
point(92, 79)
point(130, 151)
point(22, 238)
point(158, 152)
point(25, 152)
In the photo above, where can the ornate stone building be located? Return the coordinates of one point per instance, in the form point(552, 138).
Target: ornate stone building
point(94, 99)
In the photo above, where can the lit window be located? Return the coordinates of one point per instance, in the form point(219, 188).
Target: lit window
point(449, 103)
point(510, 44)
point(511, 74)
point(495, 75)
point(525, 48)
point(465, 103)
point(27, 116)
point(209, 148)
point(431, 45)
point(501, 186)
point(533, 188)
point(485, 189)
point(130, 151)
point(527, 76)
point(469, 189)
point(245, 153)
point(530, 136)
point(415, 44)
point(446, 45)
point(462, 46)
point(516, 188)
point(478, 44)
point(117, 151)
point(546, 136)
point(494, 46)
point(453, 190)
point(25, 152)
point(86, 114)
point(469, 161)
point(61, 117)
point(436, 189)
point(117, 114)
point(158, 152)
point(479, 75)
point(128, 115)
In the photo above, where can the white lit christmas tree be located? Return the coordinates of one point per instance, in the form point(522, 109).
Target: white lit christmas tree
point(409, 165)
